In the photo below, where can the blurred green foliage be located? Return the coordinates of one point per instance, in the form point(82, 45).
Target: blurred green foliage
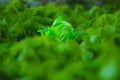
point(85, 45)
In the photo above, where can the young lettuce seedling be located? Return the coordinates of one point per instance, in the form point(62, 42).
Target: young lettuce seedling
point(60, 30)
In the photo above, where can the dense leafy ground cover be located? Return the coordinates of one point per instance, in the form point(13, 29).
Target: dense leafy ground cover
point(54, 42)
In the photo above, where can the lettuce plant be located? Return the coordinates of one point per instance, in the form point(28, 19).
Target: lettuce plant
point(60, 30)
